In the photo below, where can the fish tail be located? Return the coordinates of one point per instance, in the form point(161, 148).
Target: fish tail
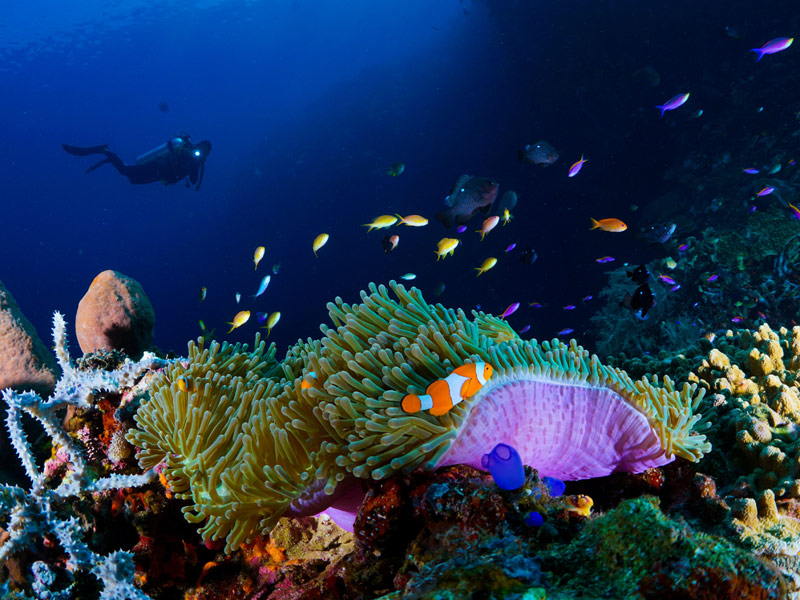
point(411, 403)
point(662, 109)
point(758, 51)
point(595, 223)
point(481, 232)
point(401, 219)
point(232, 327)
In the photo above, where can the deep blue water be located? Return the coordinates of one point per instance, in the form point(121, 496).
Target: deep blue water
point(307, 105)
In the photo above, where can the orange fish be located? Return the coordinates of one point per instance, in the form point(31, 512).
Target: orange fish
point(443, 394)
point(488, 225)
point(613, 225)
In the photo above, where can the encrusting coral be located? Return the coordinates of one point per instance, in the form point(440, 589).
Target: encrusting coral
point(247, 439)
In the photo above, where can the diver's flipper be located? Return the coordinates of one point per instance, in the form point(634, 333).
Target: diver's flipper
point(79, 151)
point(105, 161)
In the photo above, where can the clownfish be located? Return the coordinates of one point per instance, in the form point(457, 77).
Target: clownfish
point(443, 394)
point(309, 380)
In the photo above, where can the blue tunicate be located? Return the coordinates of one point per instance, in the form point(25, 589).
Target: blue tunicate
point(555, 486)
point(534, 519)
point(505, 465)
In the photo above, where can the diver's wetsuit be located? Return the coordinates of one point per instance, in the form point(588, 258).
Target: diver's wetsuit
point(178, 160)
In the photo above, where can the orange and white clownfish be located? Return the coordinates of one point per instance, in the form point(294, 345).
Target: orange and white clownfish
point(443, 394)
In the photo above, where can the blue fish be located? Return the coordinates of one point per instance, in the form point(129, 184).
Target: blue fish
point(263, 287)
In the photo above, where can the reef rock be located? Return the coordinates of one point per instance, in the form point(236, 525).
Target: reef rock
point(115, 314)
point(26, 362)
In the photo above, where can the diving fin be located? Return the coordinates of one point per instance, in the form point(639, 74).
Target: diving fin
point(105, 161)
point(79, 151)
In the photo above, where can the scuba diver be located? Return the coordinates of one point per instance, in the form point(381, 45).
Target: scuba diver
point(175, 160)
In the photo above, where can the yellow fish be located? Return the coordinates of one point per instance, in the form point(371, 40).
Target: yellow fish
point(259, 254)
point(488, 225)
point(487, 264)
point(381, 222)
point(413, 220)
point(507, 216)
point(580, 504)
point(272, 320)
point(446, 246)
point(320, 241)
point(240, 319)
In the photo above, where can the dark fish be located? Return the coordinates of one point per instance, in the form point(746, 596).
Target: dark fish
point(541, 153)
point(648, 76)
point(528, 256)
point(507, 202)
point(639, 275)
point(468, 196)
point(658, 233)
point(641, 301)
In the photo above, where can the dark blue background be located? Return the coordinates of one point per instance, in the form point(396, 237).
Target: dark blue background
point(307, 105)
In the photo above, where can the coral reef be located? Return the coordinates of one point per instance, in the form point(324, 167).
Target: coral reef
point(249, 440)
point(39, 519)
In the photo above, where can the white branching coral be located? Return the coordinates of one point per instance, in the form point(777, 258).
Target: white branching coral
point(27, 514)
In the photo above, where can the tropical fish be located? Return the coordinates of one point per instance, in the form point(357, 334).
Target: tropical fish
point(319, 242)
point(670, 263)
point(184, 384)
point(639, 275)
point(667, 279)
point(203, 293)
point(765, 191)
point(713, 278)
point(239, 320)
point(446, 246)
point(486, 265)
point(605, 259)
point(507, 202)
point(443, 394)
point(512, 308)
point(541, 153)
point(381, 222)
point(413, 220)
point(750, 171)
point(566, 331)
point(658, 233)
point(263, 287)
point(795, 211)
point(238, 297)
point(511, 246)
point(309, 380)
point(673, 103)
point(612, 225)
point(272, 320)
point(772, 46)
point(507, 216)
point(576, 167)
point(258, 255)
point(261, 316)
point(488, 224)
point(579, 504)
point(275, 268)
point(569, 307)
point(461, 228)
point(389, 243)
point(204, 330)
point(641, 301)
point(525, 329)
point(468, 196)
point(408, 276)
point(396, 169)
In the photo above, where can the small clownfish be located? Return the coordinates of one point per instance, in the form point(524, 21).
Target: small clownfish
point(580, 504)
point(184, 384)
point(309, 380)
point(443, 394)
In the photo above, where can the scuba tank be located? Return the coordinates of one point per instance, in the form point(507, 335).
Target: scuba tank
point(175, 143)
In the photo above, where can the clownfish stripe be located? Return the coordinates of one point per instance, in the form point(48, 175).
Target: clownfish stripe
point(444, 394)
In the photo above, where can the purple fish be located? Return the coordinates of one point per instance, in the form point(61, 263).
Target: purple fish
point(512, 308)
point(587, 298)
point(772, 46)
point(605, 259)
point(673, 103)
point(576, 167)
point(765, 191)
point(566, 331)
point(461, 228)
point(511, 247)
point(683, 247)
point(535, 304)
point(569, 307)
point(752, 209)
point(667, 279)
point(713, 278)
point(750, 171)
point(675, 287)
point(525, 329)
point(737, 319)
